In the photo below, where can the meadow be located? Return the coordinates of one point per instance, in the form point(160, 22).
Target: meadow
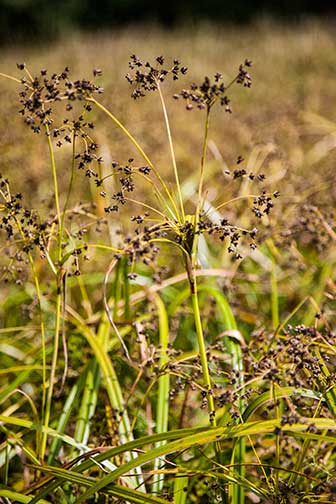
point(167, 302)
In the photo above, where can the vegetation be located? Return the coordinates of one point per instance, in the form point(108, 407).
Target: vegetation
point(168, 254)
point(35, 20)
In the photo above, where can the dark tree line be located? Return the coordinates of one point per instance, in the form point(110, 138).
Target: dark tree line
point(22, 20)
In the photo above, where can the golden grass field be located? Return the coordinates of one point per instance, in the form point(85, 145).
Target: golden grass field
point(284, 127)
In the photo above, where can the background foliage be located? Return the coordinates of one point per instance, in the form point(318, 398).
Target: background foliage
point(39, 19)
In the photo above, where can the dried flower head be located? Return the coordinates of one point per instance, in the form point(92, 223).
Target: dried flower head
point(206, 94)
point(146, 77)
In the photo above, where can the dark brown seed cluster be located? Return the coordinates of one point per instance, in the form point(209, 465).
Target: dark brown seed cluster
point(210, 91)
point(142, 245)
point(263, 204)
point(146, 77)
point(292, 360)
point(125, 175)
point(22, 231)
point(19, 223)
point(229, 234)
point(41, 92)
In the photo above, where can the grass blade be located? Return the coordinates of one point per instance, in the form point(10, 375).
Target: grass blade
point(162, 406)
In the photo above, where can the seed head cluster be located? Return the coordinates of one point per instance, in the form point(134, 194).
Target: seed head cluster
point(40, 93)
point(210, 91)
point(146, 77)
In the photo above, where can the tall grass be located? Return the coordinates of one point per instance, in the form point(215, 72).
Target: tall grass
point(165, 335)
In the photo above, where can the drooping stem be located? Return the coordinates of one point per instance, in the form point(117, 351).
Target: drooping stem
point(172, 152)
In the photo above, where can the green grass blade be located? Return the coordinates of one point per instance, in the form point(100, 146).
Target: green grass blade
point(208, 436)
point(117, 491)
point(27, 424)
point(162, 406)
point(64, 418)
point(180, 489)
point(234, 350)
point(18, 497)
point(279, 392)
point(88, 403)
point(14, 384)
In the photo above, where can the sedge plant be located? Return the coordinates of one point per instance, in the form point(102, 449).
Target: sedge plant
point(164, 222)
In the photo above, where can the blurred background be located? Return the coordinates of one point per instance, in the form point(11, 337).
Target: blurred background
point(284, 126)
point(36, 19)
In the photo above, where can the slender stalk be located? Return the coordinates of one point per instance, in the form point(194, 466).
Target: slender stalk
point(156, 192)
point(116, 290)
point(172, 152)
point(138, 147)
point(53, 364)
point(59, 286)
point(10, 77)
point(70, 185)
point(61, 261)
point(200, 340)
point(147, 206)
point(162, 405)
point(200, 186)
point(190, 268)
point(203, 161)
point(277, 411)
point(126, 292)
point(55, 182)
point(39, 451)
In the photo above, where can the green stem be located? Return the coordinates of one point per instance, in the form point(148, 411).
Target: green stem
point(70, 185)
point(116, 290)
point(171, 146)
point(137, 146)
point(53, 365)
point(203, 161)
point(200, 185)
point(55, 182)
point(200, 340)
point(127, 307)
point(162, 405)
point(39, 451)
point(59, 281)
point(190, 267)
